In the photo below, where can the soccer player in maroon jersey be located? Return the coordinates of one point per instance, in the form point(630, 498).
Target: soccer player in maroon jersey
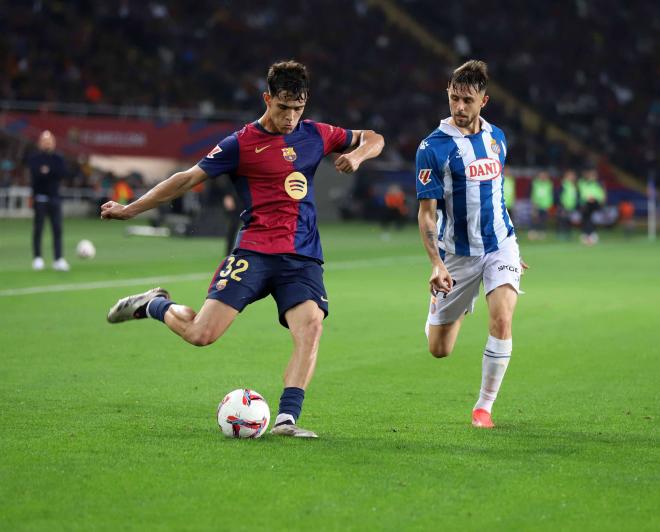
point(271, 162)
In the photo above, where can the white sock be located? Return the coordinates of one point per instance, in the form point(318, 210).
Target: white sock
point(283, 418)
point(496, 359)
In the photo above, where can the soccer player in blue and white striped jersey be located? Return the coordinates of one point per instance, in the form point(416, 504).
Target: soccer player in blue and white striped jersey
point(467, 231)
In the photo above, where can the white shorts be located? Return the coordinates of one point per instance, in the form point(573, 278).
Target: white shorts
point(494, 269)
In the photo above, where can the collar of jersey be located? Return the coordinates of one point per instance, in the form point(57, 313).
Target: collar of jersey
point(261, 128)
point(453, 131)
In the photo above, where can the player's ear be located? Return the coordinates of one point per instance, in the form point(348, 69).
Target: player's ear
point(485, 100)
point(267, 98)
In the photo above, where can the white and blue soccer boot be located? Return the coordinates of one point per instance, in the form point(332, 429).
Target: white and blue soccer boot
point(135, 307)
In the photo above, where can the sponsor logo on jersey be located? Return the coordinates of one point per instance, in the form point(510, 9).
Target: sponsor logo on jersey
point(262, 148)
point(423, 145)
point(221, 284)
point(424, 176)
point(212, 153)
point(507, 267)
point(483, 169)
point(495, 146)
point(289, 154)
point(295, 185)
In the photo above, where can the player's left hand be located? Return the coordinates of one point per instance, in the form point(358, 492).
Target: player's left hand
point(347, 163)
point(524, 266)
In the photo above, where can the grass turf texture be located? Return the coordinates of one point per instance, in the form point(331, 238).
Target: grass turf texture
point(113, 427)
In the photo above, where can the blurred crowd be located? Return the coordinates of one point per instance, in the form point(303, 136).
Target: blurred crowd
point(589, 67)
point(212, 55)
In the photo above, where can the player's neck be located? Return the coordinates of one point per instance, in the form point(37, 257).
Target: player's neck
point(471, 129)
point(268, 125)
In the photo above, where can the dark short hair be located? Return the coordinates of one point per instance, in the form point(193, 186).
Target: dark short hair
point(471, 74)
point(289, 77)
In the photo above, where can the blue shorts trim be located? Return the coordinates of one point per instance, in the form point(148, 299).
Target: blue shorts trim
point(247, 276)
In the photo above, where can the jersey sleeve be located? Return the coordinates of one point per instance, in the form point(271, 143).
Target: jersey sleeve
point(335, 139)
point(223, 159)
point(429, 180)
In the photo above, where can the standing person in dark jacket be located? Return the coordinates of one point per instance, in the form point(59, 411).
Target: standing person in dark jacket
point(47, 169)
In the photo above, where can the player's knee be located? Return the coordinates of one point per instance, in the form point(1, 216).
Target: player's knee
point(313, 328)
point(500, 327)
point(440, 350)
point(201, 338)
point(311, 325)
point(440, 353)
point(309, 332)
point(441, 345)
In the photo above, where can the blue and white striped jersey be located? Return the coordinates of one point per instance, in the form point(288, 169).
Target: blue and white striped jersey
point(465, 174)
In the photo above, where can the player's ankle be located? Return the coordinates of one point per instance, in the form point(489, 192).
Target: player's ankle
point(284, 419)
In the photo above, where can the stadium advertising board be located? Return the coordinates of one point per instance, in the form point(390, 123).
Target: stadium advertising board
point(122, 136)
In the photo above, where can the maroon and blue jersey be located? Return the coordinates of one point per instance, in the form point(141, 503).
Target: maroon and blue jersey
point(274, 177)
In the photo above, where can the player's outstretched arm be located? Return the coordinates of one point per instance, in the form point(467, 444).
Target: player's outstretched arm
point(440, 280)
point(367, 143)
point(174, 186)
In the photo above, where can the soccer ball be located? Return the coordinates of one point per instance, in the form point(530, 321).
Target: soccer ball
point(243, 413)
point(85, 249)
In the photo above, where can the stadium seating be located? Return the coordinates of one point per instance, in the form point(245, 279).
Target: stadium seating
point(211, 57)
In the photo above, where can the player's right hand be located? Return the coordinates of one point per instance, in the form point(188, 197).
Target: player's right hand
point(440, 280)
point(112, 210)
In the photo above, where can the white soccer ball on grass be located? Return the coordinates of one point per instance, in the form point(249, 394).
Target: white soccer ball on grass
point(243, 413)
point(85, 249)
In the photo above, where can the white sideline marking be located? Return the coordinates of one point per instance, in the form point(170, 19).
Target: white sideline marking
point(155, 281)
point(103, 284)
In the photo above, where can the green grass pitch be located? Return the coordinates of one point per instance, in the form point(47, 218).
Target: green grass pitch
point(113, 427)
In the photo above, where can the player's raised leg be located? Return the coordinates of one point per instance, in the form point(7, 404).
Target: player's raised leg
point(442, 338)
point(447, 311)
point(501, 305)
point(305, 322)
point(197, 328)
point(201, 328)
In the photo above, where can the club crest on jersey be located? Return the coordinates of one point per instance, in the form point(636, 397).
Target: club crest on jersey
point(483, 170)
point(495, 146)
point(424, 176)
point(221, 284)
point(289, 154)
point(212, 153)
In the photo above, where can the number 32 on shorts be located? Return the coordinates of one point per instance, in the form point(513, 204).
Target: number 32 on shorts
point(232, 270)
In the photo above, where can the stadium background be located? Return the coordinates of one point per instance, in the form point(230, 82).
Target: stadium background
point(134, 91)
